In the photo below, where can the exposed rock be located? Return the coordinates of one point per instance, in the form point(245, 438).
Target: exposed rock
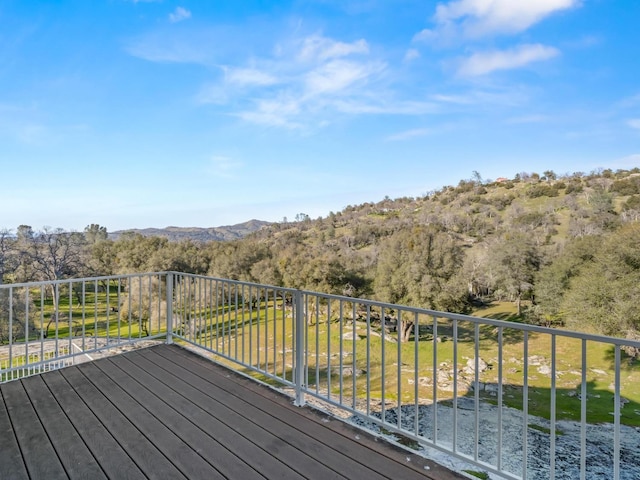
point(422, 381)
point(599, 439)
point(544, 370)
point(536, 360)
point(470, 369)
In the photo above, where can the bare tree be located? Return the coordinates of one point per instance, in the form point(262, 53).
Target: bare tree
point(8, 254)
point(51, 254)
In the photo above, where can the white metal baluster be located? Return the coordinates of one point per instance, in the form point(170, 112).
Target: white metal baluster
point(169, 292)
point(70, 352)
point(235, 316)
point(329, 349)
point(299, 349)
point(583, 414)
point(368, 408)
point(454, 332)
point(399, 361)
point(500, 399)
point(26, 328)
point(353, 355)
point(552, 435)
point(341, 350)
point(476, 393)
point(416, 363)
point(616, 416)
point(434, 331)
point(383, 410)
point(525, 405)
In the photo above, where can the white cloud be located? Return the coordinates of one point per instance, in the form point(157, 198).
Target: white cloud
point(249, 76)
point(300, 84)
point(159, 47)
point(509, 97)
point(409, 134)
point(478, 18)
point(317, 47)
point(483, 63)
point(338, 75)
point(280, 111)
point(179, 14)
point(634, 123)
point(223, 166)
point(411, 54)
point(384, 107)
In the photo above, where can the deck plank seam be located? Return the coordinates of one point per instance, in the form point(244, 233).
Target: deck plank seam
point(162, 382)
point(257, 425)
point(129, 422)
point(68, 420)
point(181, 469)
point(97, 419)
point(37, 414)
point(179, 413)
point(15, 437)
point(205, 363)
point(288, 425)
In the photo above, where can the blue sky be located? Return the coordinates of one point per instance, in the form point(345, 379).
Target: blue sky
point(205, 113)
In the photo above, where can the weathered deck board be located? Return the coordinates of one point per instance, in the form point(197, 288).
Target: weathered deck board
point(12, 465)
point(103, 446)
point(164, 412)
point(343, 457)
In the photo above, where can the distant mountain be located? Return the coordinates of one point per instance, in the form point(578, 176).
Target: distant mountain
point(224, 233)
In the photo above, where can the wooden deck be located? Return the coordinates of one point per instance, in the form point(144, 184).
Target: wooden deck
point(164, 412)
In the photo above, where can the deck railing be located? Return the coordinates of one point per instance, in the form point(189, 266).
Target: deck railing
point(515, 400)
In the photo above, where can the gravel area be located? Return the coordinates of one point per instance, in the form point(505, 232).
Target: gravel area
point(599, 444)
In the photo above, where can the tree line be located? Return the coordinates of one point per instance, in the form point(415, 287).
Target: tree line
point(563, 248)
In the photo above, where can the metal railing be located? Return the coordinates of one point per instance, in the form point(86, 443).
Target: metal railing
point(49, 325)
point(518, 401)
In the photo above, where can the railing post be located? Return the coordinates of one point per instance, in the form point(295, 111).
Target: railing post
point(169, 307)
point(298, 349)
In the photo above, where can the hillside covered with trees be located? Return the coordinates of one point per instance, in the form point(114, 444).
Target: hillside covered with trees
point(563, 248)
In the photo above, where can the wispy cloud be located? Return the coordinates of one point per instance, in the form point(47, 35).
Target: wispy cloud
point(482, 63)
point(280, 111)
point(383, 106)
point(249, 76)
point(179, 14)
point(629, 102)
point(338, 75)
point(634, 123)
point(508, 97)
point(223, 166)
point(409, 134)
point(316, 47)
point(160, 47)
point(479, 18)
point(304, 83)
point(411, 55)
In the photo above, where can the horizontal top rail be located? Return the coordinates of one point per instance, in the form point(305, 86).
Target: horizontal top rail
point(65, 281)
point(432, 313)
